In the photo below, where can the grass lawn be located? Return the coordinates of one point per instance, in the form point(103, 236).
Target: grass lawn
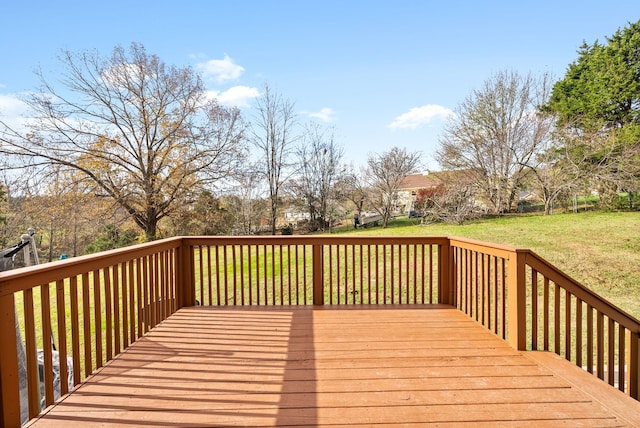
point(599, 249)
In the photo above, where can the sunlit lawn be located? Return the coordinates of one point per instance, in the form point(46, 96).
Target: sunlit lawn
point(599, 249)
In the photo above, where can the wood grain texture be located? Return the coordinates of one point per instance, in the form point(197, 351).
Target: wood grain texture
point(348, 366)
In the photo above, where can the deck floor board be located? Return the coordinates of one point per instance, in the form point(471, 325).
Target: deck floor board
point(356, 367)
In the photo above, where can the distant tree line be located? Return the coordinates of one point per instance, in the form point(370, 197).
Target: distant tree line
point(125, 148)
point(579, 135)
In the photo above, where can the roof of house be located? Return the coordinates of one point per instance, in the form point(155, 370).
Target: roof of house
point(419, 181)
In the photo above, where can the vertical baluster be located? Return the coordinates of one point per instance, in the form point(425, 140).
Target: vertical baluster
point(219, 294)
point(467, 276)
point(361, 251)
point(490, 287)
point(504, 298)
point(476, 283)
point(330, 249)
point(546, 315)
point(116, 308)
point(245, 294)
point(140, 297)
point(258, 286)
point(225, 274)
point(207, 272)
point(611, 352)
point(567, 325)
point(297, 274)
point(304, 272)
point(108, 315)
point(579, 332)
point(556, 320)
point(534, 309)
point(600, 345)
point(33, 384)
point(155, 288)
point(288, 259)
point(134, 299)
point(376, 282)
point(240, 274)
point(235, 275)
point(352, 282)
point(47, 345)
point(249, 273)
point(75, 329)
point(265, 261)
point(125, 309)
point(166, 300)
point(481, 287)
point(393, 274)
point(384, 273)
point(590, 349)
point(201, 273)
point(62, 337)
point(633, 374)
point(404, 287)
point(86, 325)
point(415, 273)
point(622, 351)
point(495, 295)
point(281, 274)
point(423, 273)
point(97, 316)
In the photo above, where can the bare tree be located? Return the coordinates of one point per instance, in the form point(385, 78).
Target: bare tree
point(353, 187)
point(247, 202)
point(385, 174)
point(274, 138)
point(496, 134)
point(141, 131)
point(319, 159)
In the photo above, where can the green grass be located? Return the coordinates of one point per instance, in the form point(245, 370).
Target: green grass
point(601, 250)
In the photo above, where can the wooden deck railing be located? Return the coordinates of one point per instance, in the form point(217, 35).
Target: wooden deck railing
point(301, 270)
point(111, 299)
point(535, 306)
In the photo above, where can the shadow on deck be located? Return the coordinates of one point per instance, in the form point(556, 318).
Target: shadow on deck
point(347, 366)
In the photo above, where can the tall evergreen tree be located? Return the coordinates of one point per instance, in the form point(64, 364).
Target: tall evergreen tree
point(597, 104)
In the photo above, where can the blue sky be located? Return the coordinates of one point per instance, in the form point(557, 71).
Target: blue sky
point(382, 73)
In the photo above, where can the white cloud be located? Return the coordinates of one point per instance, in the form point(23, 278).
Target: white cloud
point(237, 96)
point(13, 110)
point(325, 114)
point(220, 70)
point(420, 116)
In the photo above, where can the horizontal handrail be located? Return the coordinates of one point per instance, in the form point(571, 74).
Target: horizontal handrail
point(23, 278)
point(580, 291)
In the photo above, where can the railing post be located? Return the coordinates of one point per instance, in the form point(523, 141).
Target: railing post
point(9, 382)
point(186, 282)
point(634, 366)
point(445, 264)
point(516, 301)
point(318, 275)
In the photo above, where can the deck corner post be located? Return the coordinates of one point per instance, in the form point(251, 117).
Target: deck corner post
point(186, 283)
point(445, 264)
point(9, 381)
point(318, 275)
point(634, 366)
point(516, 300)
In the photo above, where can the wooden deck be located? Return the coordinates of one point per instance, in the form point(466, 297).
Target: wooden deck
point(356, 367)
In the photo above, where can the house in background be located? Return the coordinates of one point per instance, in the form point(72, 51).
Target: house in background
point(408, 190)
